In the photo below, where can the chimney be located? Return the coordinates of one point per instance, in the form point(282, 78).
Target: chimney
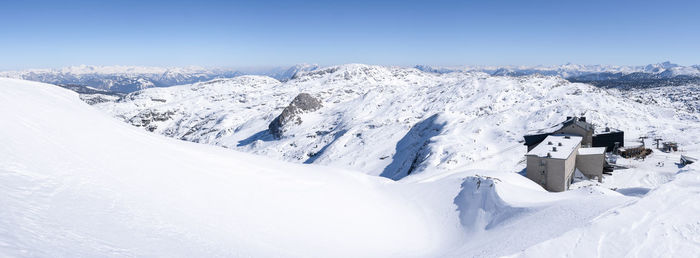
point(568, 118)
point(549, 155)
point(554, 148)
point(559, 144)
point(582, 119)
point(549, 143)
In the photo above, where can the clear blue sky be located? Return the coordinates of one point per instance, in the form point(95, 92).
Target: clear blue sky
point(37, 34)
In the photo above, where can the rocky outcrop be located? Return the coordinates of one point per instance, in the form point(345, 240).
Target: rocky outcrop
point(147, 117)
point(302, 103)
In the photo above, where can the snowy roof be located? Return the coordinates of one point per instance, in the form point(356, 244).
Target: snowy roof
point(591, 151)
point(559, 146)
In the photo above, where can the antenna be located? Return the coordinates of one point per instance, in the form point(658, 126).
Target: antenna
point(641, 138)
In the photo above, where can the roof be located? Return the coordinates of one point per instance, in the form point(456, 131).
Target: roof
point(571, 121)
point(591, 151)
point(564, 144)
point(575, 120)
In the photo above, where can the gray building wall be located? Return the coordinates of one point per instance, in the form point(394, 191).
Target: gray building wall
point(577, 130)
point(591, 165)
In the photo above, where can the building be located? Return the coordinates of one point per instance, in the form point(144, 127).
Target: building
point(572, 125)
point(552, 163)
point(591, 161)
point(669, 146)
point(609, 138)
point(556, 153)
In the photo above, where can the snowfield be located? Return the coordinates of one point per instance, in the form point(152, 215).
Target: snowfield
point(77, 182)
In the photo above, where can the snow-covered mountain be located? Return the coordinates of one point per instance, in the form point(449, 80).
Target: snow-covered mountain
point(565, 71)
point(682, 97)
point(611, 76)
point(121, 78)
point(389, 121)
point(76, 182)
point(291, 71)
point(124, 79)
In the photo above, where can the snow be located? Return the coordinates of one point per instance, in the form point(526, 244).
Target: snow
point(126, 79)
point(663, 223)
point(561, 146)
point(394, 121)
point(666, 69)
point(76, 182)
point(133, 78)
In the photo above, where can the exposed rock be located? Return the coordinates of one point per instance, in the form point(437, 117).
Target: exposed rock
point(302, 103)
point(146, 117)
point(93, 99)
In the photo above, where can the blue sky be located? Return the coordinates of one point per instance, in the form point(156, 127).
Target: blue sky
point(39, 34)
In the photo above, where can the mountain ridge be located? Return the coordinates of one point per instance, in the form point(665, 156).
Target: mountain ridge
point(125, 79)
point(391, 121)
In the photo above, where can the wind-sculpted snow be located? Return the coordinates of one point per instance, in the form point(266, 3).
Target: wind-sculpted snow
point(666, 217)
point(506, 207)
point(390, 121)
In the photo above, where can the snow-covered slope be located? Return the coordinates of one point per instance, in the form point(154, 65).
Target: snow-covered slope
point(685, 97)
point(664, 223)
point(390, 121)
point(75, 182)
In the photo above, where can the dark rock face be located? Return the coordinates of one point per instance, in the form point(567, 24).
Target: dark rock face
point(302, 103)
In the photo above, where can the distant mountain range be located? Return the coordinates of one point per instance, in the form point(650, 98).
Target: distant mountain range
point(608, 76)
point(125, 79)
